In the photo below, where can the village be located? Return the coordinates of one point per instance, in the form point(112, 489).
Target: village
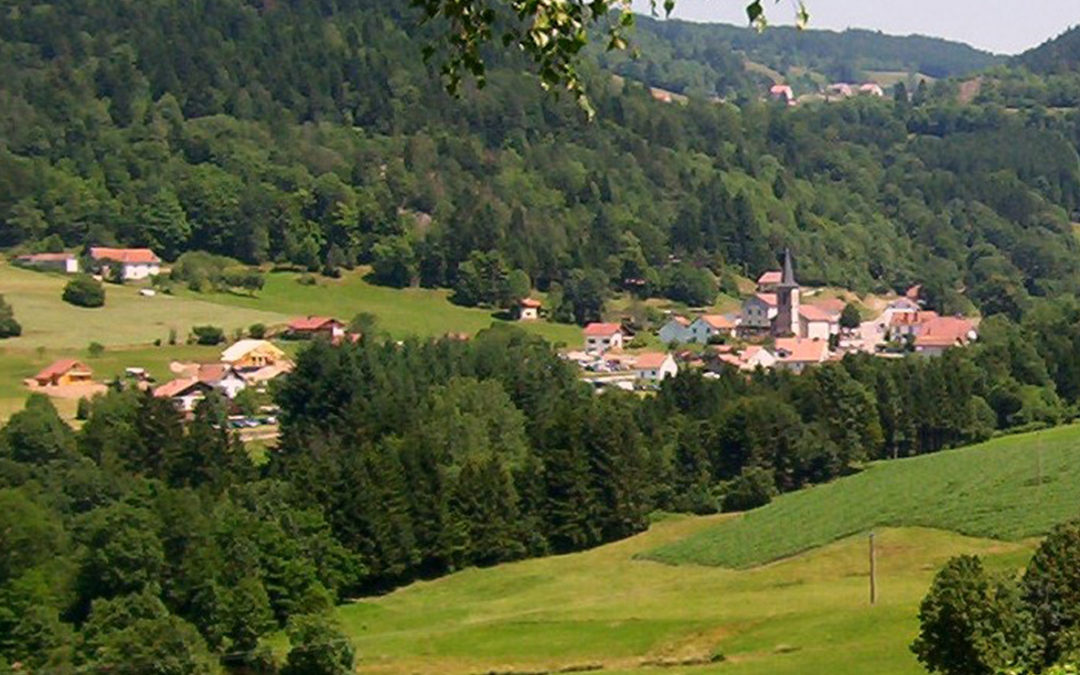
point(779, 325)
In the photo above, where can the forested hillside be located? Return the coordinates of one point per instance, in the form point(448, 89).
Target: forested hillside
point(314, 135)
point(708, 59)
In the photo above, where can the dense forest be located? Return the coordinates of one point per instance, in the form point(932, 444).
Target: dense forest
point(142, 538)
point(707, 60)
point(314, 135)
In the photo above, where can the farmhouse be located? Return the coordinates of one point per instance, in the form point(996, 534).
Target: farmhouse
point(307, 327)
point(64, 372)
point(711, 325)
point(871, 89)
point(600, 337)
point(767, 282)
point(136, 263)
point(677, 329)
point(527, 309)
point(782, 93)
point(59, 262)
point(251, 353)
point(184, 393)
point(655, 366)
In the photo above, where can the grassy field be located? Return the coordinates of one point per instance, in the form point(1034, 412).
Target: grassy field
point(1009, 488)
point(127, 318)
point(401, 312)
point(606, 607)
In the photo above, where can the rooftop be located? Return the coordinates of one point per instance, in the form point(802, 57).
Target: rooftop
point(124, 255)
point(602, 329)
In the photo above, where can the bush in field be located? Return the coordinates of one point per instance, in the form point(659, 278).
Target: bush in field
point(84, 291)
point(9, 327)
point(208, 335)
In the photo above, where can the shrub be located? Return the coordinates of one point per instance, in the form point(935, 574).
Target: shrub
point(95, 349)
point(306, 280)
point(9, 327)
point(257, 331)
point(208, 335)
point(84, 291)
point(172, 336)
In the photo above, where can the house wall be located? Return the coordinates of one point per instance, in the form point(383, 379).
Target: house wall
point(757, 315)
point(528, 314)
point(815, 330)
point(601, 344)
point(675, 332)
point(141, 270)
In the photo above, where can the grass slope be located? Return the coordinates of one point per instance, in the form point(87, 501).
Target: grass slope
point(988, 490)
point(806, 615)
point(401, 312)
point(126, 319)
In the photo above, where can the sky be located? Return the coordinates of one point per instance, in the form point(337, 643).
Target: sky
point(1000, 26)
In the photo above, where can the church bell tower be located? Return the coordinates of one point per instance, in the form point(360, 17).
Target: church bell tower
point(786, 323)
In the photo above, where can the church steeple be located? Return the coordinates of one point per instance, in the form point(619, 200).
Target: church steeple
point(787, 276)
point(786, 322)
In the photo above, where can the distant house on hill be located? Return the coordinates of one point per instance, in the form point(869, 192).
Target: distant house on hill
point(251, 353)
point(871, 89)
point(655, 366)
point(136, 263)
point(708, 326)
point(600, 337)
point(838, 90)
point(768, 281)
point(782, 93)
point(64, 372)
point(677, 329)
point(184, 393)
point(528, 309)
point(67, 263)
point(314, 326)
point(938, 334)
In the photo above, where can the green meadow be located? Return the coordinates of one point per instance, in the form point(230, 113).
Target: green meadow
point(1008, 488)
point(609, 608)
point(781, 589)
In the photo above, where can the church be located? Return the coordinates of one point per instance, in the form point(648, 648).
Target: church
point(774, 308)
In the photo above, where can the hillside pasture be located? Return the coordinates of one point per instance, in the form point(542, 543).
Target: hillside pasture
point(1009, 488)
point(126, 319)
point(607, 608)
point(401, 312)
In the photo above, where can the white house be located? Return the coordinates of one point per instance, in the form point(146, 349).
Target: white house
point(600, 337)
point(758, 311)
point(184, 393)
point(677, 329)
point(710, 325)
point(60, 262)
point(528, 309)
point(816, 323)
point(756, 356)
point(137, 263)
point(222, 377)
point(655, 366)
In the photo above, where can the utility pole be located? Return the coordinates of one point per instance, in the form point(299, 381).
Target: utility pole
point(873, 572)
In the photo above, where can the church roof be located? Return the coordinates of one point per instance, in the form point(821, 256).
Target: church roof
point(787, 275)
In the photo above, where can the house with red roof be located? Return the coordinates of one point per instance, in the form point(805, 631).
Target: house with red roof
point(67, 263)
point(708, 326)
point(782, 93)
point(528, 309)
point(816, 323)
point(940, 333)
point(796, 354)
point(63, 372)
point(600, 337)
point(307, 327)
point(655, 366)
point(185, 393)
point(135, 263)
point(768, 281)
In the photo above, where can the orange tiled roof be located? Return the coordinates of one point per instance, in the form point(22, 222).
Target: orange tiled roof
point(124, 255)
point(602, 329)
